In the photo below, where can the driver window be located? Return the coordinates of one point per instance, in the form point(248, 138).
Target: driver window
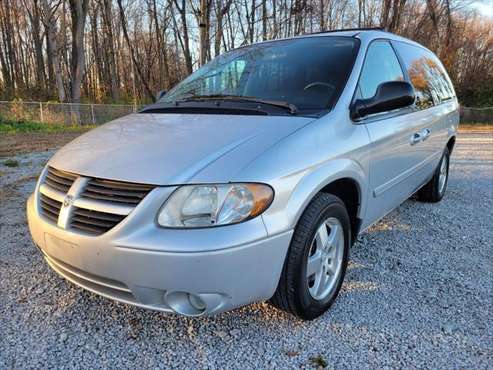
point(381, 65)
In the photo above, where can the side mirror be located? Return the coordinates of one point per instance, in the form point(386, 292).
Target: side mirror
point(160, 94)
point(389, 96)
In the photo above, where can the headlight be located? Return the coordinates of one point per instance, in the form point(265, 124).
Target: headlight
point(214, 205)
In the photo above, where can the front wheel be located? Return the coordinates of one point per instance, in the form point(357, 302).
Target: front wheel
point(434, 190)
point(316, 262)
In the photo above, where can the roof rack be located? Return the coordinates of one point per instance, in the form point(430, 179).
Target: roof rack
point(349, 29)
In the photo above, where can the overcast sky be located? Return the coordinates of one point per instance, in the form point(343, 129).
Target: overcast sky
point(484, 7)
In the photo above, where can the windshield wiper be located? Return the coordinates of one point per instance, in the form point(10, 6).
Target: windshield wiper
point(293, 109)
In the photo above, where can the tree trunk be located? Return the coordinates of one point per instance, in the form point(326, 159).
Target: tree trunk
point(203, 20)
point(78, 12)
point(111, 75)
point(221, 11)
point(162, 49)
point(264, 20)
point(49, 22)
point(185, 40)
point(34, 16)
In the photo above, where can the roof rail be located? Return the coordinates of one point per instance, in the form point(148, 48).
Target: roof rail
point(349, 29)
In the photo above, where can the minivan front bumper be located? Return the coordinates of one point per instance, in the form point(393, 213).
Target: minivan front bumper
point(190, 272)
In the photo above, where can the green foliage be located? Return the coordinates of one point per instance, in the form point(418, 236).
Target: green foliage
point(11, 163)
point(477, 96)
point(22, 126)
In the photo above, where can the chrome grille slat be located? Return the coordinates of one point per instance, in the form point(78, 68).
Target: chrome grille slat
point(99, 215)
point(91, 229)
point(51, 202)
point(121, 185)
point(111, 198)
point(50, 208)
point(116, 191)
point(50, 214)
point(59, 180)
point(56, 186)
point(95, 206)
point(51, 217)
point(93, 221)
point(63, 174)
point(108, 191)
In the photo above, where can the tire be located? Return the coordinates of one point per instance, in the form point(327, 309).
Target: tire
point(434, 190)
point(297, 292)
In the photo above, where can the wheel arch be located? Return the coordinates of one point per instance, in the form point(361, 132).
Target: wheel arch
point(344, 178)
point(451, 144)
point(348, 190)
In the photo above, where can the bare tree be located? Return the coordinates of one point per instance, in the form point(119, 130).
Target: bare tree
point(50, 22)
point(116, 50)
point(78, 12)
point(221, 8)
point(185, 40)
point(137, 65)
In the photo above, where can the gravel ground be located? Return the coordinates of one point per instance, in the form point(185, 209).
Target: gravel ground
point(418, 294)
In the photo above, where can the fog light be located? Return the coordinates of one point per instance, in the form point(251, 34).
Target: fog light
point(196, 302)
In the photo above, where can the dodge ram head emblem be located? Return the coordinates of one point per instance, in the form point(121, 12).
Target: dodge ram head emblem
point(68, 200)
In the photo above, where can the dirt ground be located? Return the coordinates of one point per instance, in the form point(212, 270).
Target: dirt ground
point(12, 144)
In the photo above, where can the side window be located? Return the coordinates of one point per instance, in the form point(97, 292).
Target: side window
point(438, 78)
point(426, 74)
point(381, 65)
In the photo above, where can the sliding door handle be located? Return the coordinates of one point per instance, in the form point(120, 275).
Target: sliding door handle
point(424, 133)
point(415, 138)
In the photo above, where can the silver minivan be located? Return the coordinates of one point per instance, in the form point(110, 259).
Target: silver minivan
point(250, 180)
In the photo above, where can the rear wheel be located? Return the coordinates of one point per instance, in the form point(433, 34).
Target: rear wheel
point(317, 259)
point(434, 190)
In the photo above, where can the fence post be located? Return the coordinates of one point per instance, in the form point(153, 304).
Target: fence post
point(92, 113)
point(41, 112)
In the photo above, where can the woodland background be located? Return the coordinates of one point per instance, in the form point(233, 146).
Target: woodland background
point(124, 51)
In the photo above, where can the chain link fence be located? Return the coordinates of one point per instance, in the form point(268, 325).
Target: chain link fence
point(97, 114)
point(63, 113)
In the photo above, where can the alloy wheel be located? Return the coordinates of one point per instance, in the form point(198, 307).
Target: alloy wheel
point(325, 257)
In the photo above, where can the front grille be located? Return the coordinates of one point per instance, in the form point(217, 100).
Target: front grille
point(59, 180)
point(94, 206)
point(94, 222)
point(116, 191)
point(50, 208)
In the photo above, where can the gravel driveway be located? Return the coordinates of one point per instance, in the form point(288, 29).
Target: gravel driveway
point(418, 293)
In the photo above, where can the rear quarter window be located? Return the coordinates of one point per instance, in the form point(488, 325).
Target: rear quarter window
point(427, 75)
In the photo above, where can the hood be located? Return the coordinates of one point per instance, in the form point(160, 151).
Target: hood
point(172, 149)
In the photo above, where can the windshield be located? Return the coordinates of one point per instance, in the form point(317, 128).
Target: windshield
point(308, 73)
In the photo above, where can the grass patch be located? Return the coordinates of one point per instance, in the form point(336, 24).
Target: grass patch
point(11, 163)
point(15, 127)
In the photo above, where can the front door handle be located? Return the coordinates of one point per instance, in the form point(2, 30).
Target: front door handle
point(415, 138)
point(424, 133)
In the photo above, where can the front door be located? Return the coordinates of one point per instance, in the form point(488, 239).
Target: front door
point(396, 155)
